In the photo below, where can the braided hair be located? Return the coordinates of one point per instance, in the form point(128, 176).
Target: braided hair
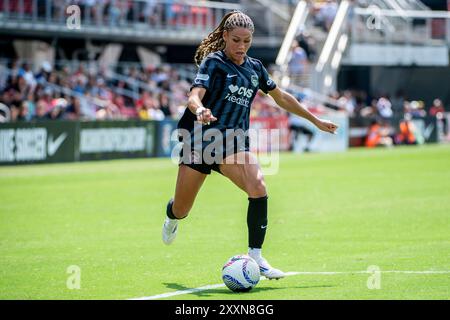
point(214, 41)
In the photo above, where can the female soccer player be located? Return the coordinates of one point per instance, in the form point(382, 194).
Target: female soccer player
point(220, 98)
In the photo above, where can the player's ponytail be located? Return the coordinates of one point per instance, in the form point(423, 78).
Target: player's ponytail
point(214, 41)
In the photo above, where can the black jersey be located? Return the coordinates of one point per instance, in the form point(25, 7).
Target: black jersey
point(230, 91)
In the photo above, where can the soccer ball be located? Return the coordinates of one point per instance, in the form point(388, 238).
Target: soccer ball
point(240, 273)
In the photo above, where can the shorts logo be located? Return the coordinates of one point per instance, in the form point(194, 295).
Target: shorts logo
point(255, 80)
point(269, 82)
point(195, 157)
point(190, 158)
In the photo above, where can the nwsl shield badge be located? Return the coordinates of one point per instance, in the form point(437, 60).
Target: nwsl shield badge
point(255, 81)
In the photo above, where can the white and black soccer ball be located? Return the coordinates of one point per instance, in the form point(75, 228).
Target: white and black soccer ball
point(240, 273)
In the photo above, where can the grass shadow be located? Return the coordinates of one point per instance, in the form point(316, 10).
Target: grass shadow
point(226, 291)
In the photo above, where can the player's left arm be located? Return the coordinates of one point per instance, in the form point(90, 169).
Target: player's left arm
point(289, 103)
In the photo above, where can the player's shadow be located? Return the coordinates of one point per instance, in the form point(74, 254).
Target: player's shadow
point(211, 292)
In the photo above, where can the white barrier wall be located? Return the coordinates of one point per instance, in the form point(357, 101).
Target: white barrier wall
point(322, 141)
point(396, 55)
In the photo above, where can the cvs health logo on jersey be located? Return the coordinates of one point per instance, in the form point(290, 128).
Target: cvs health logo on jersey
point(239, 95)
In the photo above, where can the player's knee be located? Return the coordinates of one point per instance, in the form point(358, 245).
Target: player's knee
point(257, 189)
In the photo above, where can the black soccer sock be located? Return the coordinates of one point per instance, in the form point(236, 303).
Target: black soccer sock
point(257, 221)
point(169, 210)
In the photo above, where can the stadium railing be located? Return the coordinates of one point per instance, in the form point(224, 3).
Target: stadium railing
point(326, 69)
point(165, 21)
point(417, 27)
point(380, 23)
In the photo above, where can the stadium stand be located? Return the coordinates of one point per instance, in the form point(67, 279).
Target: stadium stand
point(332, 37)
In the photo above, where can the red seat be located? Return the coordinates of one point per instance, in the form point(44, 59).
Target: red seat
point(14, 6)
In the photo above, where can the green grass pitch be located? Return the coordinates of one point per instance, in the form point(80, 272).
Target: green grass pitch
point(327, 212)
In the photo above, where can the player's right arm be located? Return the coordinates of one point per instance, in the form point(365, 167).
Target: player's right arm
point(195, 105)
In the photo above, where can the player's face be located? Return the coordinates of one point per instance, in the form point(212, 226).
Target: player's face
point(237, 43)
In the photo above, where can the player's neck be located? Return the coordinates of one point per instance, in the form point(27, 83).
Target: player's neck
point(240, 62)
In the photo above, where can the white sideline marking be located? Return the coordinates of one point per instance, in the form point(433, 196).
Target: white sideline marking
point(214, 286)
point(177, 293)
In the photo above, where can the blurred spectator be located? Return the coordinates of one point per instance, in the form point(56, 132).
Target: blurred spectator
point(40, 113)
point(155, 113)
point(44, 72)
point(407, 133)
point(114, 12)
point(14, 68)
point(109, 111)
point(46, 98)
point(14, 113)
point(151, 111)
point(27, 75)
point(384, 107)
point(298, 128)
point(144, 105)
point(360, 103)
point(298, 62)
point(164, 103)
point(88, 108)
point(31, 105)
point(56, 113)
point(150, 12)
point(73, 110)
point(398, 103)
point(437, 110)
point(23, 112)
point(378, 135)
point(160, 75)
point(326, 14)
point(416, 109)
point(347, 103)
point(307, 43)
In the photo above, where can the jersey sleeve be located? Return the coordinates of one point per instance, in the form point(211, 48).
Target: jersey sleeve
point(205, 74)
point(266, 84)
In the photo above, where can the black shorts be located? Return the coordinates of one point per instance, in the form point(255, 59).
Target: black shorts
point(198, 163)
point(204, 168)
point(200, 166)
point(204, 160)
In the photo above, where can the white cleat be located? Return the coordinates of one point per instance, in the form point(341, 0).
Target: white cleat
point(169, 230)
point(266, 270)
